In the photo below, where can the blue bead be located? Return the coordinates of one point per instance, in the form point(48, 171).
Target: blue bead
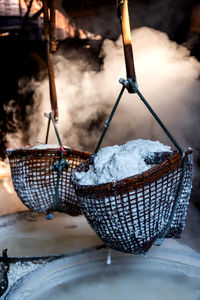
point(158, 242)
point(49, 216)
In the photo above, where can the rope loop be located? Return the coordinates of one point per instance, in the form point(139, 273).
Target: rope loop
point(62, 151)
point(60, 165)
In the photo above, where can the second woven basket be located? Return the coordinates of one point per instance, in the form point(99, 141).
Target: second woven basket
point(130, 214)
point(35, 179)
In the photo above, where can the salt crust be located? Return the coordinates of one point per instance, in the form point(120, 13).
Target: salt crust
point(20, 269)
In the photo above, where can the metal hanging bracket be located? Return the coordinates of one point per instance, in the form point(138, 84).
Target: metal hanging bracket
point(127, 85)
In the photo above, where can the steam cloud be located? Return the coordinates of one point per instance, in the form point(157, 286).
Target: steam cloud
point(167, 76)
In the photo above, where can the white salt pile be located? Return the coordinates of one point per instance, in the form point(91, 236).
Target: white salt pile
point(47, 146)
point(117, 162)
point(18, 270)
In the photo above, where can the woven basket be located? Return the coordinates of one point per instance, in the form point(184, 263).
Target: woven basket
point(35, 181)
point(128, 215)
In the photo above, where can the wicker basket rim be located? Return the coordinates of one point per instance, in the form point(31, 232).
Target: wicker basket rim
point(42, 152)
point(169, 163)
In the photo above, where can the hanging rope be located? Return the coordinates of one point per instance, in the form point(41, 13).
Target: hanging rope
point(133, 85)
point(109, 120)
point(48, 129)
point(159, 240)
point(58, 167)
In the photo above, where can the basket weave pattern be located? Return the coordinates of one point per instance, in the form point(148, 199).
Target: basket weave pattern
point(128, 215)
point(35, 180)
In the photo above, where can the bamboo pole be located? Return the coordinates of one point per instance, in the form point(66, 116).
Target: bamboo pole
point(53, 43)
point(52, 86)
point(126, 37)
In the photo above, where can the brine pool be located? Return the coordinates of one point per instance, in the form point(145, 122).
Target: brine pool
point(88, 277)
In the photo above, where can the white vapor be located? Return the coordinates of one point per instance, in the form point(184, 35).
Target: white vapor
point(167, 76)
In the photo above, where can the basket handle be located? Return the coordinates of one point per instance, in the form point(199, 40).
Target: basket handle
point(123, 14)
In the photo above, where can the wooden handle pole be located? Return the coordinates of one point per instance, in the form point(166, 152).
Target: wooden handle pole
point(53, 42)
point(126, 36)
point(52, 85)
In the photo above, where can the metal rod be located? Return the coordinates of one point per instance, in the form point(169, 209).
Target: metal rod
point(156, 117)
point(14, 259)
point(178, 192)
point(56, 130)
point(51, 118)
point(48, 128)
